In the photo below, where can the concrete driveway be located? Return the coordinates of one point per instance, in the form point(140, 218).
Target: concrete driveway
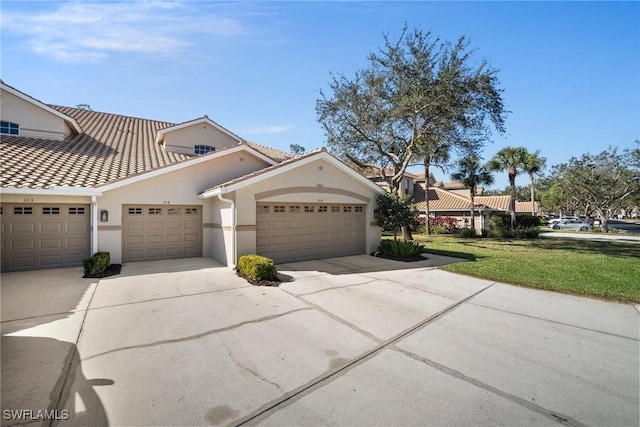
point(345, 341)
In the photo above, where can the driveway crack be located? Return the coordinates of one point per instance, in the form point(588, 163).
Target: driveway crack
point(245, 368)
point(329, 376)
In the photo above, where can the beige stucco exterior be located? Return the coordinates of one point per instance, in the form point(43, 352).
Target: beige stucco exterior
point(184, 139)
point(315, 182)
point(35, 122)
point(180, 187)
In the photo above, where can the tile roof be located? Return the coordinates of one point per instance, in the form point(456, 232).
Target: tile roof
point(112, 147)
point(443, 200)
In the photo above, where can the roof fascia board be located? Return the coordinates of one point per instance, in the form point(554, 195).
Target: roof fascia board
point(162, 132)
point(52, 191)
point(295, 164)
point(43, 106)
point(185, 164)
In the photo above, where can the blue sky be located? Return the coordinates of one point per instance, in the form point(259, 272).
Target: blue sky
point(570, 70)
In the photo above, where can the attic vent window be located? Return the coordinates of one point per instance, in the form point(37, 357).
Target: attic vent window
point(8, 128)
point(203, 149)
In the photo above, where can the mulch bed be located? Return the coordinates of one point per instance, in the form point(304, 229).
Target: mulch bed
point(273, 283)
point(406, 259)
point(112, 270)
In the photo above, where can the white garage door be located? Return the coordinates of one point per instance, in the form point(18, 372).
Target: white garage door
point(151, 232)
point(36, 236)
point(289, 232)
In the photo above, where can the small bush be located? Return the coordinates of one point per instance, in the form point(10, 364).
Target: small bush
point(528, 221)
point(468, 233)
point(439, 229)
point(400, 249)
point(256, 268)
point(502, 233)
point(97, 264)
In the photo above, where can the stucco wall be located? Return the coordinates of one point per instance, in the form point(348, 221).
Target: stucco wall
point(34, 121)
point(183, 140)
point(315, 182)
point(175, 188)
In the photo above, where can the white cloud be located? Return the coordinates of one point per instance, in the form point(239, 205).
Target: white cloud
point(92, 32)
point(268, 129)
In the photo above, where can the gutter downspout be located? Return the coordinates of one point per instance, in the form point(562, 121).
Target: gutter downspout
point(94, 225)
point(233, 229)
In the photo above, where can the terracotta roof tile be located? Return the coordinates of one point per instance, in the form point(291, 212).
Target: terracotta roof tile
point(443, 200)
point(112, 147)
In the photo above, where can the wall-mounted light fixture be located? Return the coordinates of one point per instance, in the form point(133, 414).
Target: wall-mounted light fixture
point(104, 215)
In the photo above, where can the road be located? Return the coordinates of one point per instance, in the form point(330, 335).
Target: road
point(627, 227)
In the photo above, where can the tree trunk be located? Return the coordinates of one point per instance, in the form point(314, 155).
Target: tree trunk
point(473, 210)
point(533, 196)
point(406, 233)
point(427, 227)
point(512, 202)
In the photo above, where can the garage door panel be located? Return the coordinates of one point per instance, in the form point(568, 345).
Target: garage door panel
point(50, 243)
point(22, 245)
point(27, 227)
point(293, 232)
point(191, 237)
point(51, 227)
point(161, 232)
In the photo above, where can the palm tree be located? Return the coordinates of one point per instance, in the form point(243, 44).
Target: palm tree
point(511, 159)
point(533, 165)
point(432, 152)
point(472, 174)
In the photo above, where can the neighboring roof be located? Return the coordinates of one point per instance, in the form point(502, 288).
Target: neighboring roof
point(238, 183)
point(372, 171)
point(443, 200)
point(205, 119)
point(111, 148)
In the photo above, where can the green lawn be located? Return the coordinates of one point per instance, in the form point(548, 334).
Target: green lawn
point(609, 270)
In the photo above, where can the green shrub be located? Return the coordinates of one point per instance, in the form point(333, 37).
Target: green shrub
point(501, 221)
point(468, 233)
point(439, 229)
point(528, 221)
point(400, 249)
point(97, 264)
point(502, 233)
point(255, 268)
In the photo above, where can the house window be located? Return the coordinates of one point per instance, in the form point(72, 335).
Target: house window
point(50, 211)
point(309, 209)
point(203, 149)
point(135, 211)
point(191, 211)
point(22, 211)
point(294, 209)
point(174, 211)
point(322, 208)
point(279, 209)
point(359, 209)
point(76, 211)
point(155, 211)
point(263, 208)
point(346, 209)
point(9, 128)
point(335, 209)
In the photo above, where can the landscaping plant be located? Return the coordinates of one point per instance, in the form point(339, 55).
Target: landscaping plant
point(256, 268)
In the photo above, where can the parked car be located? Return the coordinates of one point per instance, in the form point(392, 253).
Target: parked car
point(557, 220)
point(572, 224)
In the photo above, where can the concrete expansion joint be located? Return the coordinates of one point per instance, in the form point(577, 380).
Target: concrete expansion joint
point(326, 378)
point(552, 415)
